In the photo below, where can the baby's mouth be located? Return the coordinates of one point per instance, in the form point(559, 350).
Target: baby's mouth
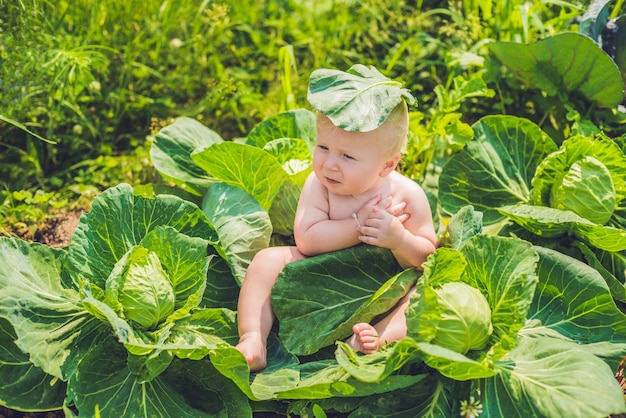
point(331, 181)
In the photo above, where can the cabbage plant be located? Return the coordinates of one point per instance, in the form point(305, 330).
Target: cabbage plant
point(545, 310)
point(540, 317)
point(136, 317)
point(569, 197)
point(109, 322)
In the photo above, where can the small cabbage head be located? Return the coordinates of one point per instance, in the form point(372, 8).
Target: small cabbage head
point(146, 295)
point(465, 318)
point(587, 190)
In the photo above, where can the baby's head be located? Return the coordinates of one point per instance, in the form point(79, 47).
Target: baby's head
point(391, 136)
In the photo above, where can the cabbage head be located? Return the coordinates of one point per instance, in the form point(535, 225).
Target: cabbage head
point(146, 293)
point(586, 189)
point(465, 318)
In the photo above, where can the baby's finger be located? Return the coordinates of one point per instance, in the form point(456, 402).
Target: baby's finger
point(385, 203)
point(367, 239)
point(377, 214)
point(375, 201)
point(397, 209)
point(368, 231)
point(403, 217)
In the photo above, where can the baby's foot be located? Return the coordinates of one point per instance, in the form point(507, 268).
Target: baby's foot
point(253, 349)
point(365, 339)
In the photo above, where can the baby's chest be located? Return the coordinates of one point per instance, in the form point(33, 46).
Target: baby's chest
point(340, 207)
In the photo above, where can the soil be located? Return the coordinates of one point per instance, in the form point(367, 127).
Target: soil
point(9, 413)
point(57, 233)
point(59, 229)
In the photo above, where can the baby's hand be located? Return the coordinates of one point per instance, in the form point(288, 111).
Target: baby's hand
point(396, 210)
point(384, 226)
point(367, 209)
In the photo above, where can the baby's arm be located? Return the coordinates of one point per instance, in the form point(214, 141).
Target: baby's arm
point(410, 241)
point(315, 233)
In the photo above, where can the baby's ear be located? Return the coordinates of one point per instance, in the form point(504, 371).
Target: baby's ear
point(390, 165)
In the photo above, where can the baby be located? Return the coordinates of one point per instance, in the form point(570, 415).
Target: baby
point(354, 195)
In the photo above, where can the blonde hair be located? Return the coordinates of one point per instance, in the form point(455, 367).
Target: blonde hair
point(393, 132)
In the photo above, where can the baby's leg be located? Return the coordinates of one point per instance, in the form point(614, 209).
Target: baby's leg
point(392, 327)
point(254, 310)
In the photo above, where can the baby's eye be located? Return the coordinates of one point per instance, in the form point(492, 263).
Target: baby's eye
point(349, 157)
point(323, 147)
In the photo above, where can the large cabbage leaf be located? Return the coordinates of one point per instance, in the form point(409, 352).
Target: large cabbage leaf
point(117, 391)
point(326, 379)
point(564, 63)
point(222, 289)
point(242, 225)
point(495, 168)
point(612, 267)
point(297, 123)
point(550, 223)
point(461, 227)
point(170, 153)
point(44, 314)
point(250, 168)
point(24, 384)
point(332, 292)
point(283, 210)
point(574, 300)
point(552, 378)
point(261, 175)
point(428, 397)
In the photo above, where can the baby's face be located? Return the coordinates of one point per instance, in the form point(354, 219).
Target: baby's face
point(350, 163)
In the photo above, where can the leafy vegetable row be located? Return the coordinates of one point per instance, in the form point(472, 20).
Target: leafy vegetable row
point(136, 317)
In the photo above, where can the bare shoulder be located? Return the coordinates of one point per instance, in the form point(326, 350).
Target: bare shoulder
point(420, 220)
point(312, 185)
point(313, 196)
point(407, 190)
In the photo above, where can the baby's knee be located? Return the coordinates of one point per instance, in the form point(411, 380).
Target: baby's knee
point(277, 255)
point(269, 262)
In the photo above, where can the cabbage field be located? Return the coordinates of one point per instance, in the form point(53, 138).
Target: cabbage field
point(182, 134)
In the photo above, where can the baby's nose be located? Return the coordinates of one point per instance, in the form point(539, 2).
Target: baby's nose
point(333, 162)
